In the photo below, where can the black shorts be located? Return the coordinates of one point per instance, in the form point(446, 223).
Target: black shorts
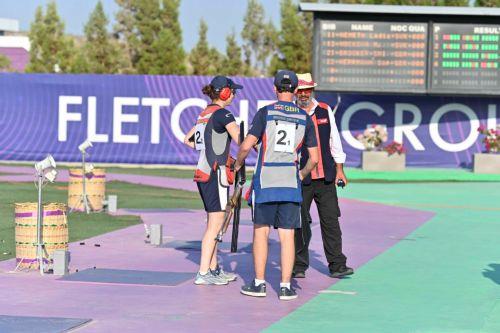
point(214, 193)
point(284, 215)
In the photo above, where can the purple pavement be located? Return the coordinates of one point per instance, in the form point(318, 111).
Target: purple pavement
point(26, 174)
point(367, 232)
point(189, 308)
point(17, 169)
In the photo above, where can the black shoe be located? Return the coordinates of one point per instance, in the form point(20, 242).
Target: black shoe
point(252, 290)
point(342, 271)
point(299, 275)
point(287, 294)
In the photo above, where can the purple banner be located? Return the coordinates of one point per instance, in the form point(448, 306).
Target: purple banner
point(142, 119)
point(436, 131)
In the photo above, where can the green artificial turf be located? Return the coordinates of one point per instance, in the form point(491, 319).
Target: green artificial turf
point(82, 226)
point(446, 279)
point(420, 175)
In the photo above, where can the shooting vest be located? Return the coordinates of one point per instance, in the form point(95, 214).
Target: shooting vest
point(326, 166)
point(213, 147)
point(276, 176)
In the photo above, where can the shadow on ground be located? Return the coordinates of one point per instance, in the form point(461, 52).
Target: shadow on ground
point(492, 273)
point(243, 263)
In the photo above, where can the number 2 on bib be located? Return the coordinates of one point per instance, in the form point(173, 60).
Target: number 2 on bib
point(285, 138)
point(199, 134)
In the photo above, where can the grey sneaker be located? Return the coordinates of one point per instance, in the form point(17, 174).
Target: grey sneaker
point(209, 279)
point(229, 277)
point(287, 294)
point(252, 290)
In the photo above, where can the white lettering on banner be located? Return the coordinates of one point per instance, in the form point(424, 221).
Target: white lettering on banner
point(65, 116)
point(92, 122)
point(243, 114)
point(346, 118)
point(201, 103)
point(155, 104)
point(401, 129)
point(492, 116)
point(176, 115)
point(119, 118)
point(434, 127)
point(403, 132)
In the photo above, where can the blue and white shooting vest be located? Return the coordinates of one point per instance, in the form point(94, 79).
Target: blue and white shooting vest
point(276, 176)
point(213, 147)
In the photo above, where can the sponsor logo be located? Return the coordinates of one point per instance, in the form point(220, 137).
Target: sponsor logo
point(290, 108)
point(322, 121)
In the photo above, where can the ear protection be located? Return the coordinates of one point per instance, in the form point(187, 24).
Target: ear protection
point(225, 93)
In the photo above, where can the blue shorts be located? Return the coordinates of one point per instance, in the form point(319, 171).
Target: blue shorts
point(214, 193)
point(284, 215)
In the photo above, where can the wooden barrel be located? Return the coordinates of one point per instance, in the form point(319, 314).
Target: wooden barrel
point(95, 186)
point(54, 232)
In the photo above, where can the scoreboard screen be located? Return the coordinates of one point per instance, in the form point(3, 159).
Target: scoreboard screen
point(373, 56)
point(465, 58)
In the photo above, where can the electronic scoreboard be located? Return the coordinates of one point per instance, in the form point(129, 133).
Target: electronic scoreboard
point(405, 49)
point(465, 58)
point(373, 56)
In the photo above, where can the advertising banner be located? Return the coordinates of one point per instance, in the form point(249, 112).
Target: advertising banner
point(143, 118)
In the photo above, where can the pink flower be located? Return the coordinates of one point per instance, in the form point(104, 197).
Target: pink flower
point(480, 128)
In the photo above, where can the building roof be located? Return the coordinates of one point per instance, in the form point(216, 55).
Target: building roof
point(9, 24)
point(15, 41)
point(407, 10)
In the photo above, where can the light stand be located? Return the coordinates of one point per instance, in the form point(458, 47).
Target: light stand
point(40, 246)
point(44, 170)
point(83, 197)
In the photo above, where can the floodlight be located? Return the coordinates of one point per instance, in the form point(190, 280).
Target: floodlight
point(47, 163)
point(89, 168)
point(84, 145)
point(85, 170)
point(51, 175)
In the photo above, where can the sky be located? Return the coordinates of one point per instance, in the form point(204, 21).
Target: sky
point(222, 16)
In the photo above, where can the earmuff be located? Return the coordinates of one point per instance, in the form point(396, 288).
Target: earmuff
point(225, 93)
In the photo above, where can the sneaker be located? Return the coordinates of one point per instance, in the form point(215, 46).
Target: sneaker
point(252, 290)
point(287, 294)
point(299, 275)
point(229, 277)
point(209, 279)
point(342, 271)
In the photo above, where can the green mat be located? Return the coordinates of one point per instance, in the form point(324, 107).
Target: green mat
point(446, 280)
point(421, 175)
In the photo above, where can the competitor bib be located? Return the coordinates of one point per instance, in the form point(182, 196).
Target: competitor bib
point(285, 138)
point(199, 135)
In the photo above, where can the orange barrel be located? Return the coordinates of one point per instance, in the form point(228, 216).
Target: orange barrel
point(54, 232)
point(95, 186)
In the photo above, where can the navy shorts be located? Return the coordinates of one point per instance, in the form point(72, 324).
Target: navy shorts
point(214, 193)
point(284, 215)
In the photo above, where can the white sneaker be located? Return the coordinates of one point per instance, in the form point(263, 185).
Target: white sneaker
point(229, 277)
point(209, 279)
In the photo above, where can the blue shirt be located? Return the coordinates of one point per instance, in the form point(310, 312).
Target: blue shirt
point(221, 118)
